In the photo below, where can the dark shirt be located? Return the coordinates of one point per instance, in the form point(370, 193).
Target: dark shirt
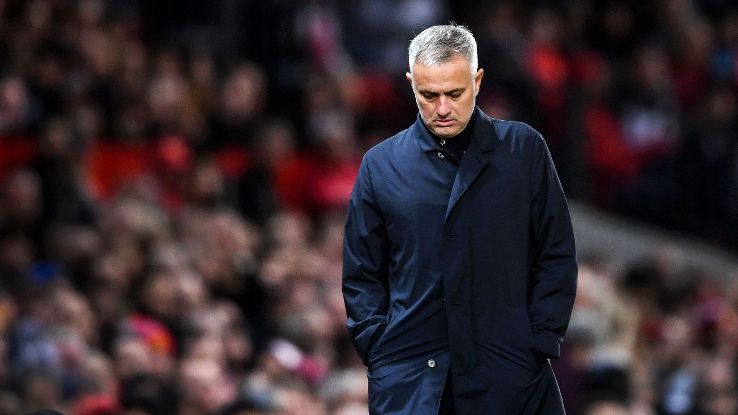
point(454, 148)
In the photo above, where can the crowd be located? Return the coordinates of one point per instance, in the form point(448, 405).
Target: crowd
point(173, 178)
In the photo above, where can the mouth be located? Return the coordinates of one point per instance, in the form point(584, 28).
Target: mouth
point(444, 123)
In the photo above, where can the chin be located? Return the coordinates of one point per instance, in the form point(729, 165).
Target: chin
point(446, 133)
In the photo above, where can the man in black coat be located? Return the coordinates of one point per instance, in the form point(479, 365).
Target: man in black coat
point(459, 263)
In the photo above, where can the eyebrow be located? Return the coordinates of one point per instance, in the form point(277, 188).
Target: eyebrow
point(429, 92)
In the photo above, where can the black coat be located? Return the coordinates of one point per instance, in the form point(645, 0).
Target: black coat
point(470, 269)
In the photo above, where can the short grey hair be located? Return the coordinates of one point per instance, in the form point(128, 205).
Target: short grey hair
point(438, 44)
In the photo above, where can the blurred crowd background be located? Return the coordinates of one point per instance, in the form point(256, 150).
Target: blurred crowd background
point(173, 178)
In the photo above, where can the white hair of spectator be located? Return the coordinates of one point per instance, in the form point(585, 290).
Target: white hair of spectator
point(439, 44)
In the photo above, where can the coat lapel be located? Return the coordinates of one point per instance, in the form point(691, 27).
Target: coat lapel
point(475, 160)
point(471, 167)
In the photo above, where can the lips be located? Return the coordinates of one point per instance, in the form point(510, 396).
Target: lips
point(444, 123)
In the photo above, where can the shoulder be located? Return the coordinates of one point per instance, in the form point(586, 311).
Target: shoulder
point(519, 129)
point(388, 147)
point(517, 136)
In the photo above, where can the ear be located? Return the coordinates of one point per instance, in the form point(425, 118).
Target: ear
point(478, 80)
point(409, 77)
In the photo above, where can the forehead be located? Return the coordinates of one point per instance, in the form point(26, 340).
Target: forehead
point(453, 74)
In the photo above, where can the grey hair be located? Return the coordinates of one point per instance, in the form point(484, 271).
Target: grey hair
point(438, 44)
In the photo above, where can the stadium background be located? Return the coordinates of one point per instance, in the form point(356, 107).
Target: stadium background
point(173, 176)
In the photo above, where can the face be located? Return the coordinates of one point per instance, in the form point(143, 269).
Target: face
point(445, 95)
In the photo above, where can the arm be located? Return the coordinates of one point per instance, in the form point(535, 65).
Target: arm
point(365, 290)
point(553, 257)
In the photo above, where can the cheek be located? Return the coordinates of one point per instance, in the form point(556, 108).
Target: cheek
point(425, 108)
point(466, 106)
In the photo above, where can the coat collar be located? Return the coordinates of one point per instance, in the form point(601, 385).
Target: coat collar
point(482, 140)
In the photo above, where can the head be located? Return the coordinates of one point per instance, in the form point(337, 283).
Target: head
point(445, 77)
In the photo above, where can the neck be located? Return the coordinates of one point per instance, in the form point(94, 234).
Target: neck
point(467, 128)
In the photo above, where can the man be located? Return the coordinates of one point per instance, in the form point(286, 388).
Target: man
point(459, 265)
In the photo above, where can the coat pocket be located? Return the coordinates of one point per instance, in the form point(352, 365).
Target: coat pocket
point(375, 346)
point(510, 368)
point(508, 350)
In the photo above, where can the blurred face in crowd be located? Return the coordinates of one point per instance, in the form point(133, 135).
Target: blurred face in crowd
point(205, 384)
point(445, 94)
point(243, 92)
point(21, 196)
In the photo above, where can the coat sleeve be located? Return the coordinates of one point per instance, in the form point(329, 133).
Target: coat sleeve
point(365, 290)
point(554, 267)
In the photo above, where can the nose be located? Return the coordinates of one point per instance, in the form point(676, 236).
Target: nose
point(444, 107)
